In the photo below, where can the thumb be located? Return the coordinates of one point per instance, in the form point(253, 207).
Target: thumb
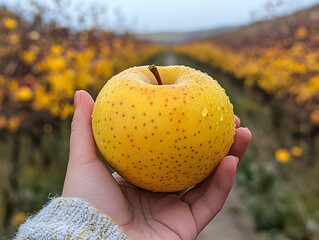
point(82, 144)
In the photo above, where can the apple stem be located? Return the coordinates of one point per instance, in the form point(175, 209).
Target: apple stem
point(156, 74)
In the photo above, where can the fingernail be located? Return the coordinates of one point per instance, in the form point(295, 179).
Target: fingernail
point(236, 159)
point(77, 99)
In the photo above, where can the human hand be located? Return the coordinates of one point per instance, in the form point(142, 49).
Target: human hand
point(140, 213)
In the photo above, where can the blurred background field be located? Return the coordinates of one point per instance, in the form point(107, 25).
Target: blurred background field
point(269, 66)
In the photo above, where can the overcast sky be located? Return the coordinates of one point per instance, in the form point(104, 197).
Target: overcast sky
point(181, 15)
point(174, 15)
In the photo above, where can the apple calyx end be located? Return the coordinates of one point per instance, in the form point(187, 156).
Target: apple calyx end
point(156, 74)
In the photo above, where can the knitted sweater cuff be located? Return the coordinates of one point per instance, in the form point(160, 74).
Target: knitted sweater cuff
point(70, 218)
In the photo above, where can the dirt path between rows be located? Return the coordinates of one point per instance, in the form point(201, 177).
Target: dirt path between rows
point(234, 221)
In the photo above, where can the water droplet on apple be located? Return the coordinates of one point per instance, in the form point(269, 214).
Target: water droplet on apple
point(221, 118)
point(204, 112)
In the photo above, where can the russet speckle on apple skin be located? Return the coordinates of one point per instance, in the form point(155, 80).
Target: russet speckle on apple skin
point(163, 137)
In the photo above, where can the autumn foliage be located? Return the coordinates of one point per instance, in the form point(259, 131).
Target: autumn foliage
point(43, 66)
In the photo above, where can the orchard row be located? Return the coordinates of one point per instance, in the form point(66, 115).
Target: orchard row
point(281, 65)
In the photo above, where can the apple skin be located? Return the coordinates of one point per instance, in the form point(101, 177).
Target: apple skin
point(163, 138)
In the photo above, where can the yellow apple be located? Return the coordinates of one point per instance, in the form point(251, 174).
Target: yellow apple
point(163, 128)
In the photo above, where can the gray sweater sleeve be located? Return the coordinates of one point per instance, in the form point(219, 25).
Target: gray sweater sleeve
point(70, 218)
